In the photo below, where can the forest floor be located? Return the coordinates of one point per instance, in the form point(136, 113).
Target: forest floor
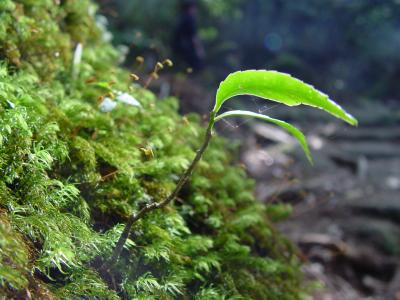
point(346, 217)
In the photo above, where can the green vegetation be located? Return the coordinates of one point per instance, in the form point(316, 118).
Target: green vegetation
point(72, 172)
point(270, 85)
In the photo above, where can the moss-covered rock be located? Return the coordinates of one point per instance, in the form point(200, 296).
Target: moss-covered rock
point(71, 174)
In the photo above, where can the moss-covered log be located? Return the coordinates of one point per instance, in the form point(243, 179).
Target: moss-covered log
point(72, 174)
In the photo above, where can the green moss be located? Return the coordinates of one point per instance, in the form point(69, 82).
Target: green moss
point(13, 257)
point(70, 175)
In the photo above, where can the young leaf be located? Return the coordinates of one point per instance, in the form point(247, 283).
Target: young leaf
point(290, 128)
point(279, 87)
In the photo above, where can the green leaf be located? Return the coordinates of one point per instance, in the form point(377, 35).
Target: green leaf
point(279, 87)
point(290, 128)
point(103, 84)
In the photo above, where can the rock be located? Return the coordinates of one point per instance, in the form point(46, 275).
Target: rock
point(273, 133)
point(369, 149)
point(351, 134)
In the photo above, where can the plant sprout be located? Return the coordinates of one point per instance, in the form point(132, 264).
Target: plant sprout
point(270, 85)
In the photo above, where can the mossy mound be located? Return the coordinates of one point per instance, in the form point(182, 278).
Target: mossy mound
point(70, 175)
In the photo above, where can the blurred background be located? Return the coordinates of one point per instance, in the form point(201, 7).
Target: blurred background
point(344, 212)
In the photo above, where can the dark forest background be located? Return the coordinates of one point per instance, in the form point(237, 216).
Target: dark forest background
point(348, 48)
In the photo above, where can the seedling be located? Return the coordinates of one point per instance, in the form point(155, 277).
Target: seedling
point(271, 85)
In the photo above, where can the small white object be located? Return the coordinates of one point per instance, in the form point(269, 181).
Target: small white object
point(78, 54)
point(127, 99)
point(107, 105)
point(393, 182)
point(10, 104)
point(77, 60)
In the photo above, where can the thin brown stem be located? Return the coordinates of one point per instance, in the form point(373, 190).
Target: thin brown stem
point(155, 205)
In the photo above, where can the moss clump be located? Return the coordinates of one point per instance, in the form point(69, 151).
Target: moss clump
point(70, 175)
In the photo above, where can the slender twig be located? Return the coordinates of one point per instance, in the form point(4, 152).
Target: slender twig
point(155, 205)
